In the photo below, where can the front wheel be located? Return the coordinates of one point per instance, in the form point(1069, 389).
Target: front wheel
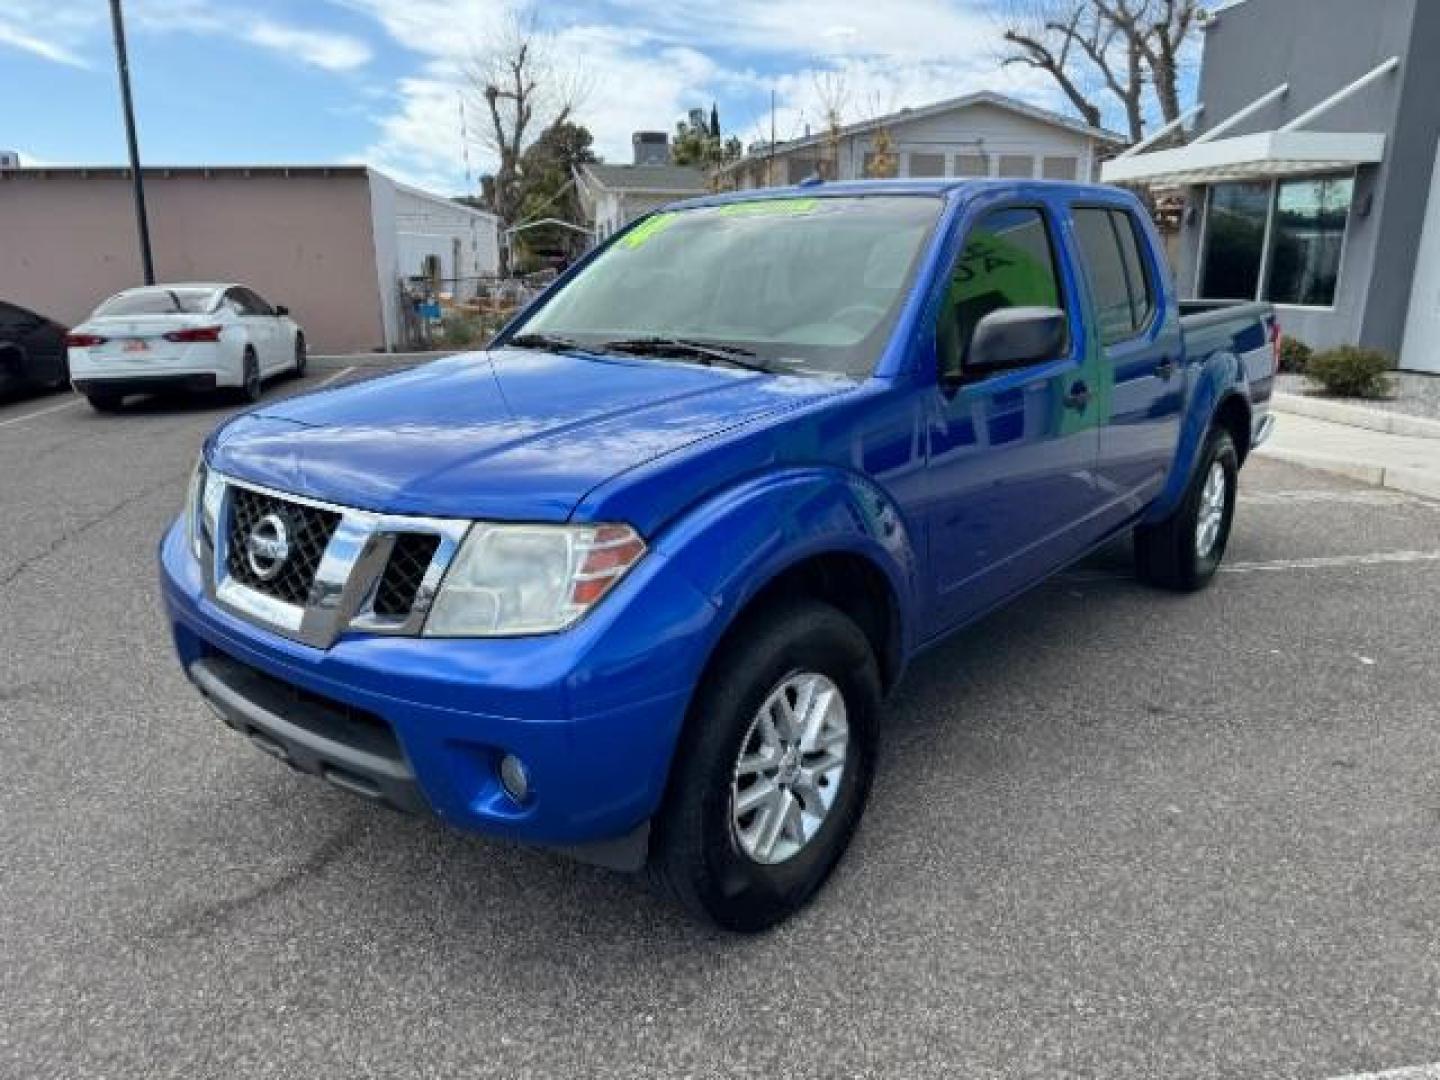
point(103, 401)
point(773, 768)
point(301, 358)
point(1184, 551)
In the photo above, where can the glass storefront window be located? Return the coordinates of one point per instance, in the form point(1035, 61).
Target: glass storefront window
point(1310, 218)
point(1234, 240)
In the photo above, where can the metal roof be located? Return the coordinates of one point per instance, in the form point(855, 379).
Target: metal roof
point(1261, 155)
point(646, 179)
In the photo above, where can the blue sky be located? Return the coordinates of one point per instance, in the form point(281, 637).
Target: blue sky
point(379, 81)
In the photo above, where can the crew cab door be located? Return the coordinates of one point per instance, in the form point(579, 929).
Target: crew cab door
point(1141, 364)
point(1012, 453)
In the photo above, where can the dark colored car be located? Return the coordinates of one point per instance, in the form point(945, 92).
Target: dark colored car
point(32, 350)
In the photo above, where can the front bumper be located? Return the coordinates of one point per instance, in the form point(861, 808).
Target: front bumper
point(422, 723)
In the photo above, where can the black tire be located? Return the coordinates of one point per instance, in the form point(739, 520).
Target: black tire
point(252, 386)
point(695, 854)
point(1169, 554)
point(103, 402)
point(301, 358)
point(62, 377)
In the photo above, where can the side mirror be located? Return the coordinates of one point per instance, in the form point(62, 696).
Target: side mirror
point(1015, 336)
point(281, 311)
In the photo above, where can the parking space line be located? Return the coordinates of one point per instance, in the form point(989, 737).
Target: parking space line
point(1326, 562)
point(333, 378)
point(1411, 1072)
point(1362, 497)
point(37, 412)
point(1313, 562)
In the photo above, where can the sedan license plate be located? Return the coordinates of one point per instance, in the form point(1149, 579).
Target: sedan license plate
point(135, 345)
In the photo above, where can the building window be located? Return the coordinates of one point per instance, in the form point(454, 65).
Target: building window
point(972, 165)
point(927, 164)
point(1304, 220)
point(801, 168)
point(1060, 168)
point(1017, 165)
point(1234, 240)
point(1309, 229)
point(880, 166)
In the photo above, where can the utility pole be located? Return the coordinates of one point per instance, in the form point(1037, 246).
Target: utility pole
point(142, 225)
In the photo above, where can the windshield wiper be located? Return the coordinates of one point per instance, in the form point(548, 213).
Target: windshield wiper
point(551, 343)
point(701, 350)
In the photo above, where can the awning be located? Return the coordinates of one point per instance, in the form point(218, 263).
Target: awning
point(1262, 155)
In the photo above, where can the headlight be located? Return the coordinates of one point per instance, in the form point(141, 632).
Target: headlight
point(193, 511)
point(202, 507)
point(509, 580)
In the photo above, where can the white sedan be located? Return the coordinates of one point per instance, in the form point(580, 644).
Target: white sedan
point(189, 337)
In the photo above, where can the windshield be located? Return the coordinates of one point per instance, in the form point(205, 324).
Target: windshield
point(797, 283)
point(159, 301)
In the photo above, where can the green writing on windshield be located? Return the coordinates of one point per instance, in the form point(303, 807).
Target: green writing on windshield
point(646, 229)
point(768, 207)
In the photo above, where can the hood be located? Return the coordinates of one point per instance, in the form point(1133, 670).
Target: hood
point(512, 434)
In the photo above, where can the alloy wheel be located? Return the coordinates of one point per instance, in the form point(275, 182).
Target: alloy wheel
point(788, 772)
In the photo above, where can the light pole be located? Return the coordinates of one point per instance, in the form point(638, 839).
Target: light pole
point(117, 21)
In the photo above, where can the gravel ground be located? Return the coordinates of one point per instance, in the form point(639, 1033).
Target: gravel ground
point(1115, 833)
point(1414, 394)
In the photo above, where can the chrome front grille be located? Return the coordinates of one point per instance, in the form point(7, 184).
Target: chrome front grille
point(409, 561)
point(312, 570)
point(308, 530)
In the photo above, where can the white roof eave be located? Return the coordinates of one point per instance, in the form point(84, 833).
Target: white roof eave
point(1262, 155)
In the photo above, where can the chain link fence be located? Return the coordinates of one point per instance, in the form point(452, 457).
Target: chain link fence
point(462, 312)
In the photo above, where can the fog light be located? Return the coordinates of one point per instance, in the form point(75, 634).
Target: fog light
point(513, 777)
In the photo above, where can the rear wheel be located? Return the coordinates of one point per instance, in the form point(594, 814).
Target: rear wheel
point(1184, 551)
point(103, 401)
point(251, 386)
point(300, 356)
point(773, 769)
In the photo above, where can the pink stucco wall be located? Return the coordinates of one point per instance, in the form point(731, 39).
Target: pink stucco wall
point(67, 241)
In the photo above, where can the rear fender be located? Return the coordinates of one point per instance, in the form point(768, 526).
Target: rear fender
point(1222, 375)
point(737, 542)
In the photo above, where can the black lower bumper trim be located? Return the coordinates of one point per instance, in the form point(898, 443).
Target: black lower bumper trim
point(357, 753)
point(146, 384)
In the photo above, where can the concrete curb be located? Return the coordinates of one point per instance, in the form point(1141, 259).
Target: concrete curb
point(340, 362)
point(1361, 416)
point(1410, 481)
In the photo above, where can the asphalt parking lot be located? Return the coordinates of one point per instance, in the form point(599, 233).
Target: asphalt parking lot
point(1115, 833)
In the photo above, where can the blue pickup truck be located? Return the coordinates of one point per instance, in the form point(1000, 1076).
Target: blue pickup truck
point(634, 582)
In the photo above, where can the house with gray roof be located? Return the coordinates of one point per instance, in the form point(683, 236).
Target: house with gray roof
point(979, 134)
point(612, 196)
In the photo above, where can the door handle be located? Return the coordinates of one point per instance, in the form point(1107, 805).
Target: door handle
point(1077, 397)
point(1165, 368)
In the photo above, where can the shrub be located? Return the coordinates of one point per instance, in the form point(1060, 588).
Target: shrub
point(1350, 371)
point(462, 331)
point(1294, 355)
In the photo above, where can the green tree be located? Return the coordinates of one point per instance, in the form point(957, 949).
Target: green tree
point(703, 145)
point(547, 189)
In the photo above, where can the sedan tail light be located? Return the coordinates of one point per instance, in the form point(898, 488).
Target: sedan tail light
point(83, 341)
point(195, 333)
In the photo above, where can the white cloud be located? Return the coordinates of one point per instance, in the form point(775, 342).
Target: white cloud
point(644, 64)
point(60, 33)
point(41, 47)
point(333, 52)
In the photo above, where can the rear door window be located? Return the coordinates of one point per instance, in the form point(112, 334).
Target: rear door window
point(1123, 294)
